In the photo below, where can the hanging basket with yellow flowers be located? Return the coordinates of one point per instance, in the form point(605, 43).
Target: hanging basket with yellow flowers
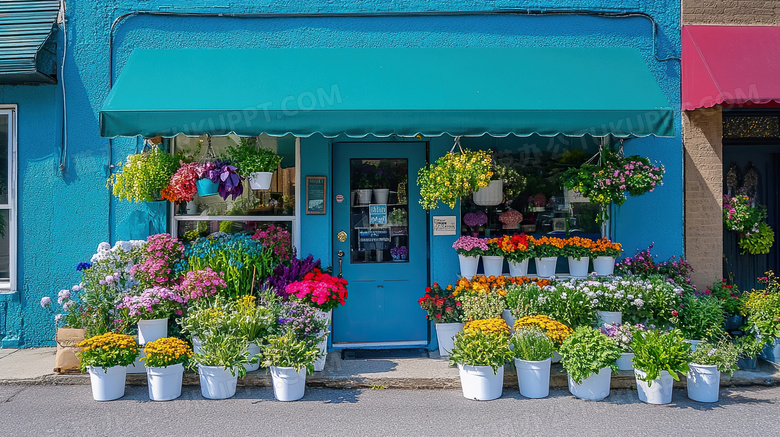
point(453, 176)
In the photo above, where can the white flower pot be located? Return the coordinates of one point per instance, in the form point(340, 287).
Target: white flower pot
point(260, 180)
point(593, 388)
point(509, 319)
point(381, 195)
point(608, 317)
point(216, 382)
point(604, 265)
point(479, 383)
point(657, 391)
point(625, 361)
point(191, 207)
point(771, 351)
point(693, 343)
point(468, 265)
point(518, 269)
point(445, 334)
point(151, 330)
point(289, 384)
point(196, 342)
point(556, 358)
point(253, 349)
point(703, 383)
point(533, 377)
point(107, 384)
point(493, 265)
point(578, 268)
point(319, 365)
point(364, 196)
point(545, 267)
point(491, 195)
point(164, 382)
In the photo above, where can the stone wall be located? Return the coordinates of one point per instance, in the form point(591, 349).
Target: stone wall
point(731, 12)
point(703, 140)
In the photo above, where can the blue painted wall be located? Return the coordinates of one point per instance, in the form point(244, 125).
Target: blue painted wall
point(65, 214)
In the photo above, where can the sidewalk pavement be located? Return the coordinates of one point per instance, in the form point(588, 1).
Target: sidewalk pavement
point(34, 366)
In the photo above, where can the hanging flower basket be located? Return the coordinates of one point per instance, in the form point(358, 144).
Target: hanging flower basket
point(491, 195)
point(453, 176)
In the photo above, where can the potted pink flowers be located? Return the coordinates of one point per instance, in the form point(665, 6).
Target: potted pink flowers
point(151, 310)
point(510, 219)
point(469, 249)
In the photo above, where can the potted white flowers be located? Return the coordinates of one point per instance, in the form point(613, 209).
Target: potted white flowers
point(707, 361)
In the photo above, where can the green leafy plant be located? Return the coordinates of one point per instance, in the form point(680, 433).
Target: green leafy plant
point(723, 354)
point(289, 351)
point(477, 348)
point(586, 351)
point(251, 159)
point(531, 344)
point(558, 300)
point(759, 242)
point(656, 350)
point(107, 350)
point(479, 306)
point(441, 305)
point(728, 295)
point(453, 176)
point(749, 346)
point(223, 350)
point(700, 317)
point(762, 309)
point(144, 175)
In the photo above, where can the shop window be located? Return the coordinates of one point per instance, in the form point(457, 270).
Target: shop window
point(7, 199)
point(751, 126)
point(254, 208)
point(531, 173)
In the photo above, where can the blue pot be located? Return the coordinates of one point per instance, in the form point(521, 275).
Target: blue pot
point(206, 187)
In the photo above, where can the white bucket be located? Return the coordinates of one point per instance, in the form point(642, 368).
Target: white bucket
point(493, 265)
point(657, 391)
point(107, 384)
point(138, 365)
point(578, 268)
point(479, 383)
point(216, 382)
point(196, 342)
point(491, 195)
point(518, 269)
point(364, 196)
point(624, 362)
point(253, 350)
point(604, 265)
point(556, 358)
point(260, 180)
point(703, 383)
point(151, 330)
point(609, 317)
point(693, 344)
point(445, 334)
point(593, 388)
point(509, 319)
point(468, 265)
point(381, 195)
point(545, 267)
point(164, 382)
point(289, 384)
point(319, 365)
point(533, 377)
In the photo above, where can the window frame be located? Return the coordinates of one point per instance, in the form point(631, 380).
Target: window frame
point(11, 111)
point(294, 219)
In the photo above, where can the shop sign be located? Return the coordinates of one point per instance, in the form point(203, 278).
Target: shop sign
point(377, 214)
point(444, 225)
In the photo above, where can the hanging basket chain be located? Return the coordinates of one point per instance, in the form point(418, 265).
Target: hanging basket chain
point(457, 143)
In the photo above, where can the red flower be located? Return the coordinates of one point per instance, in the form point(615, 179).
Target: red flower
point(438, 316)
point(427, 289)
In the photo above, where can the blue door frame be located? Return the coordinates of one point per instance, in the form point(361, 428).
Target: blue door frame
point(381, 310)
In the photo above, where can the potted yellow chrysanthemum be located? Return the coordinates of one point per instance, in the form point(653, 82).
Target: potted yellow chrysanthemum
point(106, 358)
point(164, 360)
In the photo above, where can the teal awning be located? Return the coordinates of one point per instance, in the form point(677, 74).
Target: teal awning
point(387, 91)
point(25, 27)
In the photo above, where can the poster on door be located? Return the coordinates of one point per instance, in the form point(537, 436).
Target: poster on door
point(377, 214)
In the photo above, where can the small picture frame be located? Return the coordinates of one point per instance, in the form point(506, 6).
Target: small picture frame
point(316, 194)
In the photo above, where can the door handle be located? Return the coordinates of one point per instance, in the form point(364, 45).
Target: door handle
point(341, 260)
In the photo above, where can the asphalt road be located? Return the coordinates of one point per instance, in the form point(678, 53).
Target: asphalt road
point(70, 411)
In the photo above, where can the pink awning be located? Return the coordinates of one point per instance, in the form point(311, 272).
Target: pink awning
point(730, 64)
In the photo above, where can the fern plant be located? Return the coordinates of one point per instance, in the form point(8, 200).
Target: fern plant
point(656, 351)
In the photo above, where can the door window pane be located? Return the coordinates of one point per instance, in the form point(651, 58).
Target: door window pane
point(379, 210)
point(4, 142)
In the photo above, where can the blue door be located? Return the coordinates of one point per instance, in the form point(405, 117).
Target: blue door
point(376, 212)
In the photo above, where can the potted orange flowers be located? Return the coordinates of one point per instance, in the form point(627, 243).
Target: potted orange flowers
point(546, 251)
point(578, 251)
point(604, 253)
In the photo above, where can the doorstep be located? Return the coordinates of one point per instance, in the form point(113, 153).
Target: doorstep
point(392, 373)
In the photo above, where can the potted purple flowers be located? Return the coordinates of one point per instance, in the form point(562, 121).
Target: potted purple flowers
point(474, 220)
point(469, 249)
point(400, 253)
point(220, 177)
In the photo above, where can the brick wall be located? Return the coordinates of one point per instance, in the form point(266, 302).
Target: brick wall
point(731, 12)
point(703, 140)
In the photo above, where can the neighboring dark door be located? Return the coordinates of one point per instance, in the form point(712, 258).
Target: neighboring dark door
point(376, 206)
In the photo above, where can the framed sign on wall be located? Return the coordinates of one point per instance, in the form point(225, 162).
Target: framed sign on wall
point(316, 194)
